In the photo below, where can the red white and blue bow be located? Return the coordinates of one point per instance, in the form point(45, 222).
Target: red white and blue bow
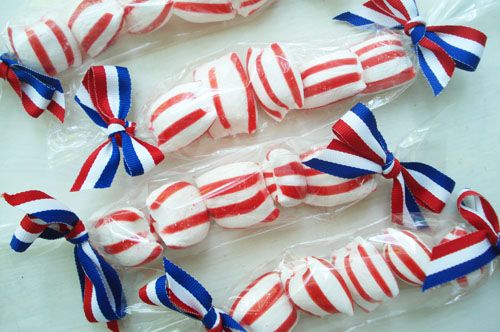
point(105, 95)
point(179, 291)
point(457, 258)
point(440, 48)
point(360, 150)
point(47, 218)
point(38, 92)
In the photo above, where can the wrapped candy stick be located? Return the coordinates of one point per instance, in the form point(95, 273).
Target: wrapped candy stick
point(47, 218)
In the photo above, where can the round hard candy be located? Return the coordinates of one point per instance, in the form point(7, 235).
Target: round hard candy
point(284, 176)
point(367, 275)
point(331, 78)
point(179, 213)
point(407, 255)
point(181, 115)
point(96, 24)
point(46, 46)
point(236, 195)
point(124, 235)
point(232, 96)
point(316, 288)
point(144, 16)
point(264, 306)
point(276, 80)
point(249, 7)
point(385, 62)
point(204, 11)
point(327, 190)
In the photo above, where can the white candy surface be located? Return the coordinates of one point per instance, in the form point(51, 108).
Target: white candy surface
point(236, 195)
point(204, 11)
point(46, 46)
point(263, 306)
point(181, 218)
point(144, 16)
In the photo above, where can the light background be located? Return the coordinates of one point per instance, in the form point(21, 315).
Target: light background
point(38, 289)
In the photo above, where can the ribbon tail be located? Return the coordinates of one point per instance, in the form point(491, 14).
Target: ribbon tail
point(369, 13)
point(100, 168)
point(229, 323)
point(437, 66)
point(405, 210)
point(139, 157)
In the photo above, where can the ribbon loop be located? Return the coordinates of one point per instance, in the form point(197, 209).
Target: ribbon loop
point(464, 255)
point(439, 48)
point(179, 291)
point(38, 92)
point(361, 150)
point(105, 96)
point(47, 218)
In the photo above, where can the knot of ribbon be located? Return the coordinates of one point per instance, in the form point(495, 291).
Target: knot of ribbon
point(38, 92)
point(461, 256)
point(179, 291)
point(105, 95)
point(361, 150)
point(440, 48)
point(47, 218)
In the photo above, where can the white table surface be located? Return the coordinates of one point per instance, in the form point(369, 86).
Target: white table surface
point(38, 289)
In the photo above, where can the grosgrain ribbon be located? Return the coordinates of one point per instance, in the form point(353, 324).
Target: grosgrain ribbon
point(103, 298)
point(440, 48)
point(105, 95)
point(459, 257)
point(360, 150)
point(37, 92)
point(179, 291)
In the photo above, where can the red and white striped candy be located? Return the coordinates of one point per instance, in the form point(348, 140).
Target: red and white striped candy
point(46, 46)
point(316, 288)
point(472, 278)
point(284, 175)
point(144, 16)
point(236, 195)
point(248, 7)
point(331, 78)
point(125, 236)
point(180, 216)
point(96, 24)
point(204, 11)
point(327, 190)
point(407, 255)
point(232, 96)
point(263, 306)
point(276, 80)
point(366, 273)
point(181, 116)
point(385, 62)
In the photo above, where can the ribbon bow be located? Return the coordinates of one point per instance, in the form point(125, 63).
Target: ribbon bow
point(105, 95)
point(361, 150)
point(459, 257)
point(439, 48)
point(179, 291)
point(103, 298)
point(37, 92)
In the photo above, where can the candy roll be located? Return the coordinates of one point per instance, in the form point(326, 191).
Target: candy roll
point(331, 78)
point(327, 190)
point(204, 11)
point(249, 7)
point(180, 116)
point(284, 176)
point(264, 306)
point(407, 255)
point(124, 235)
point(276, 80)
point(232, 95)
point(96, 24)
point(316, 288)
point(236, 195)
point(385, 62)
point(180, 217)
point(144, 16)
point(47, 46)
